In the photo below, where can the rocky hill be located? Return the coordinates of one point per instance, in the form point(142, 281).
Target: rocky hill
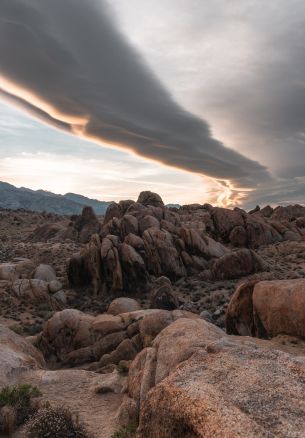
point(15, 198)
point(156, 322)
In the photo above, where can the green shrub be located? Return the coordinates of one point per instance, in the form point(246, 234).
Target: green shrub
point(55, 422)
point(127, 432)
point(18, 396)
point(16, 406)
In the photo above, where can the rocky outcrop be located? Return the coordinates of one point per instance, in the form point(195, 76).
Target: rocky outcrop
point(252, 230)
point(80, 228)
point(139, 240)
point(86, 224)
point(268, 308)
point(195, 381)
point(72, 337)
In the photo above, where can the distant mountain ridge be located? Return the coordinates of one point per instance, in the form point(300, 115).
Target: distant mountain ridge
point(14, 198)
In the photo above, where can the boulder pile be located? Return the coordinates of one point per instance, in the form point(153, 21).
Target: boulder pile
point(73, 337)
point(144, 239)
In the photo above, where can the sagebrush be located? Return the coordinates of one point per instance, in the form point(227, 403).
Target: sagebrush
point(55, 422)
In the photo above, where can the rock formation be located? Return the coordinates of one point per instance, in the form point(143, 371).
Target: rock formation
point(195, 381)
point(73, 337)
point(268, 308)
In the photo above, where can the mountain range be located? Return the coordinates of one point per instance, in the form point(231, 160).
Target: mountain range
point(15, 198)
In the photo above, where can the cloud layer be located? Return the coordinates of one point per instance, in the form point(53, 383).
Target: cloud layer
point(243, 65)
point(67, 62)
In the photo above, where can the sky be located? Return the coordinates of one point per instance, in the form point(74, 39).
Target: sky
point(199, 101)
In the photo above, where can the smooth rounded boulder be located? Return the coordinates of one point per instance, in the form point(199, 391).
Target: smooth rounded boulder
point(123, 305)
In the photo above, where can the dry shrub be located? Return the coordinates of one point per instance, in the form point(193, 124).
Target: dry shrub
point(55, 422)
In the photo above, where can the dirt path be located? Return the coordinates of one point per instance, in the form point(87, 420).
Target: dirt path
point(73, 389)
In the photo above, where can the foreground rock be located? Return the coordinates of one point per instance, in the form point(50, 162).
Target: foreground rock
point(268, 308)
point(16, 356)
point(195, 381)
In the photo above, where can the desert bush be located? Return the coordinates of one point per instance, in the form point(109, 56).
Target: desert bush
point(18, 396)
point(55, 422)
point(16, 405)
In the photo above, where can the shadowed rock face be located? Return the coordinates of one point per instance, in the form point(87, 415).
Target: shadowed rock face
point(268, 308)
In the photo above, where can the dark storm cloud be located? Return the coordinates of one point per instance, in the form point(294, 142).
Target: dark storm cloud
point(71, 57)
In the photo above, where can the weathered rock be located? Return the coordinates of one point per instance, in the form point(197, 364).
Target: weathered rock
point(15, 270)
point(73, 337)
point(162, 295)
point(146, 222)
point(181, 388)
point(133, 268)
point(112, 211)
point(268, 308)
point(35, 291)
point(123, 305)
point(238, 236)
point(110, 264)
point(237, 264)
point(249, 400)
point(16, 355)
point(280, 306)
point(150, 198)
point(129, 224)
point(127, 412)
point(239, 315)
point(162, 256)
point(78, 272)
point(55, 286)
point(45, 273)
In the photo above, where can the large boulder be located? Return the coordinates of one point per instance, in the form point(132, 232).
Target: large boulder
point(268, 308)
point(45, 273)
point(150, 198)
point(237, 264)
point(280, 306)
point(195, 381)
point(123, 305)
